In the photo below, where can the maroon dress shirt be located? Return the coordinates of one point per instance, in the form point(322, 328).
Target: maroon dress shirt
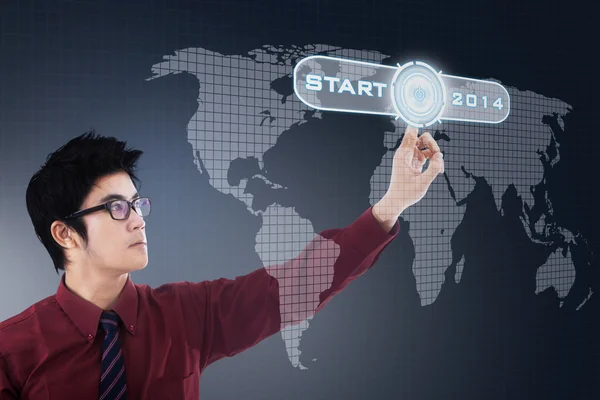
point(171, 333)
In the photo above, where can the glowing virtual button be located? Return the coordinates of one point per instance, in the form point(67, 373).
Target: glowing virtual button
point(418, 94)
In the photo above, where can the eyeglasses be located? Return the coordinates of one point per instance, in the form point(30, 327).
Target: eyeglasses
point(118, 209)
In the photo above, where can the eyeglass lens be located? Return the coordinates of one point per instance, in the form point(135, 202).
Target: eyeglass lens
point(120, 208)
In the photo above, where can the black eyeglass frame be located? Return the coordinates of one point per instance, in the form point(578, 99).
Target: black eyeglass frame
point(107, 206)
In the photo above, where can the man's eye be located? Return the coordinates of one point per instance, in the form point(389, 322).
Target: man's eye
point(116, 206)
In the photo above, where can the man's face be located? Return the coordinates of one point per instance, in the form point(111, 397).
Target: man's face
point(110, 242)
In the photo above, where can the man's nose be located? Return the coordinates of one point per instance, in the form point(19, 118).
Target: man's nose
point(137, 219)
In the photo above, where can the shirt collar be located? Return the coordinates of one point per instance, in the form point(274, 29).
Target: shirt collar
point(86, 315)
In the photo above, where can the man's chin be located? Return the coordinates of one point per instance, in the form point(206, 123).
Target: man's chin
point(134, 267)
point(139, 267)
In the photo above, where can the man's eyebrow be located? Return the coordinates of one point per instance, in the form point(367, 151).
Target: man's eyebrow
point(115, 196)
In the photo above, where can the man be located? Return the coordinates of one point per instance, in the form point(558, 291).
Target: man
point(102, 336)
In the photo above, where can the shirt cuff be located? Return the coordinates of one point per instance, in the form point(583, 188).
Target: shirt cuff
point(367, 235)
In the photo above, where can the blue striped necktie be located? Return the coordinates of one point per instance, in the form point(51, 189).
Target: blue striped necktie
point(112, 379)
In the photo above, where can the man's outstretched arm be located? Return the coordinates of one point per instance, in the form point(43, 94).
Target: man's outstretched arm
point(238, 313)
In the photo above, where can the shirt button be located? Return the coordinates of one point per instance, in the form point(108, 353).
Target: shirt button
point(131, 327)
point(90, 337)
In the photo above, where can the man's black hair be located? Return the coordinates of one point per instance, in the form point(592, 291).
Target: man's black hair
point(61, 185)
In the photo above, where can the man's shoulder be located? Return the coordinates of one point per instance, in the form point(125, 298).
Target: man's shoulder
point(169, 292)
point(164, 289)
point(28, 317)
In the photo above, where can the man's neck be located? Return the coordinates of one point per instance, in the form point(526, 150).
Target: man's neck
point(103, 291)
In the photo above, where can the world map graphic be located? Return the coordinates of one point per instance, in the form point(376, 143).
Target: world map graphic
point(249, 122)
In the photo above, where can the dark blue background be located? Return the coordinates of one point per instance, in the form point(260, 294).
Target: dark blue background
point(67, 66)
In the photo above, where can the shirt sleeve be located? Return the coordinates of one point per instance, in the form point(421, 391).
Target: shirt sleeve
point(238, 313)
point(7, 390)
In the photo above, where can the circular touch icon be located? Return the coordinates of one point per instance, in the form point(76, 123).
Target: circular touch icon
point(418, 94)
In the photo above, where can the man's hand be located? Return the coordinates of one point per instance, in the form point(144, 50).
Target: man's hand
point(409, 183)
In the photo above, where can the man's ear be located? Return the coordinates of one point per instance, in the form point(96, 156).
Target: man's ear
point(62, 234)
